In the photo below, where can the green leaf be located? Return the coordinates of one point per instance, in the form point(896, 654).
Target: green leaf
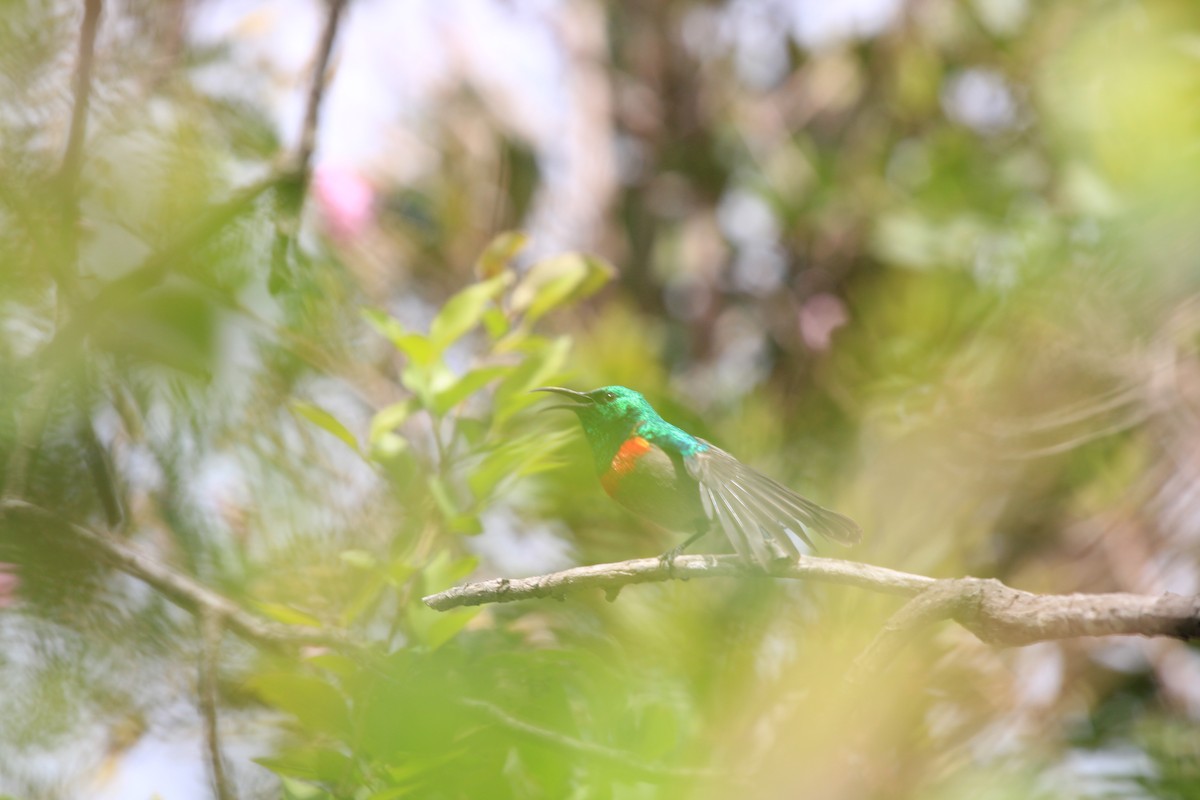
point(383, 322)
point(466, 523)
point(324, 420)
point(399, 572)
point(287, 615)
point(389, 418)
point(312, 764)
point(513, 393)
point(457, 520)
point(413, 345)
point(558, 280)
point(496, 322)
point(467, 385)
point(338, 664)
point(316, 704)
point(499, 252)
point(396, 792)
point(524, 456)
point(299, 790)
point(441, 496)
point(417, 378)
point(415, 774)
point(464, 311)
point(660, 731)
point(367, 593)
point(359, 558)
point(434, 628)
point(417, 347)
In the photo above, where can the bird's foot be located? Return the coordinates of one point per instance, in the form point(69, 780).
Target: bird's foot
point(668, 559)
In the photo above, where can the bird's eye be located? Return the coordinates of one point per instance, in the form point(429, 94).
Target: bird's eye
point(610, 396)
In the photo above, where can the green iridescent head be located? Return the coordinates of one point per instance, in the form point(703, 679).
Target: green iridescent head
point(608, 415)
point(608, 405)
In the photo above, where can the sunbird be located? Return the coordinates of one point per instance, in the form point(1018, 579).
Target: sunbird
point(683, 483)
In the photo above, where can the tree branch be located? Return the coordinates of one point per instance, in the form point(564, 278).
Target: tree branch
point(1005, 617)
point(316, 90)
point(997, 614)
point(73, 154)
point(180, 589)
point(289, 199)
point(613, 577)
point(30, 425)
point(210, 636)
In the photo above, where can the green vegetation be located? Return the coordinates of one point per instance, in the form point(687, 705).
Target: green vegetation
point(942, 277)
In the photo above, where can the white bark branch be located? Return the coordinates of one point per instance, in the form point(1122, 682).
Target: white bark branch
point(997, 614)
point(613, 577)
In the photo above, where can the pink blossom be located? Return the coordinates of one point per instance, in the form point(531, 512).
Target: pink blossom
point(820, 316)
point(10, 582)
point(346, 200)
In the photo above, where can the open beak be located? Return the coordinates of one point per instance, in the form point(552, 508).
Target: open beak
point(579, 397)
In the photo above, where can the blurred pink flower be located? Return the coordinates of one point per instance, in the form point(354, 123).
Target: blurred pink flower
point(820, 316)
point(10, 582)
point(346, 200)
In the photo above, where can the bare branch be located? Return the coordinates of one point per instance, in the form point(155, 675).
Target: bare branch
point(613, 577)
point(996, 613)
point(73, 155)
point(289, 199)
point(316, 90)
point(210, 625)
point(180, 589)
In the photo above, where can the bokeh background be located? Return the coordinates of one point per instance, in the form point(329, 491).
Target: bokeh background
point(931, 262)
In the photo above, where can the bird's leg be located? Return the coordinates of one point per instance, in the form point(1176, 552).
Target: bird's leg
point(669, 557)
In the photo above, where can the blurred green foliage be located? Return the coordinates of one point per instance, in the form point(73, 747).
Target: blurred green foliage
point(941, 277)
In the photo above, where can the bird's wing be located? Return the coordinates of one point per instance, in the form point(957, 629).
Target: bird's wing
point(756, 513)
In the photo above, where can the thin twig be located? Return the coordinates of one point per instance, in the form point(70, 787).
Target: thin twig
point(72, 161)
point(627, 761)
point(30, 422)
point(289, 199)
point(211, 630)
point(316, 90)
point(182, 590)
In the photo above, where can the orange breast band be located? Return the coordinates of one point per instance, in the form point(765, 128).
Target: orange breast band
point(623, 462)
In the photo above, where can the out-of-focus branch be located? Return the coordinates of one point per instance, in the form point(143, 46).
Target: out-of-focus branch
point(179, 588)
point(1007, 617)
point(289, 198)
point(316, 91)
point(613, 577)
point(154, 267)
point(624, 760)
point(210, 635)
point(30, 425)
point(73, 155)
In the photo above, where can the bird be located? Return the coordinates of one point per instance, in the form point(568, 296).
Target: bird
point(686, 484)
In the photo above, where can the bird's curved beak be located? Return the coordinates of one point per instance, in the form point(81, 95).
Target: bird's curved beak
point(579, 397)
